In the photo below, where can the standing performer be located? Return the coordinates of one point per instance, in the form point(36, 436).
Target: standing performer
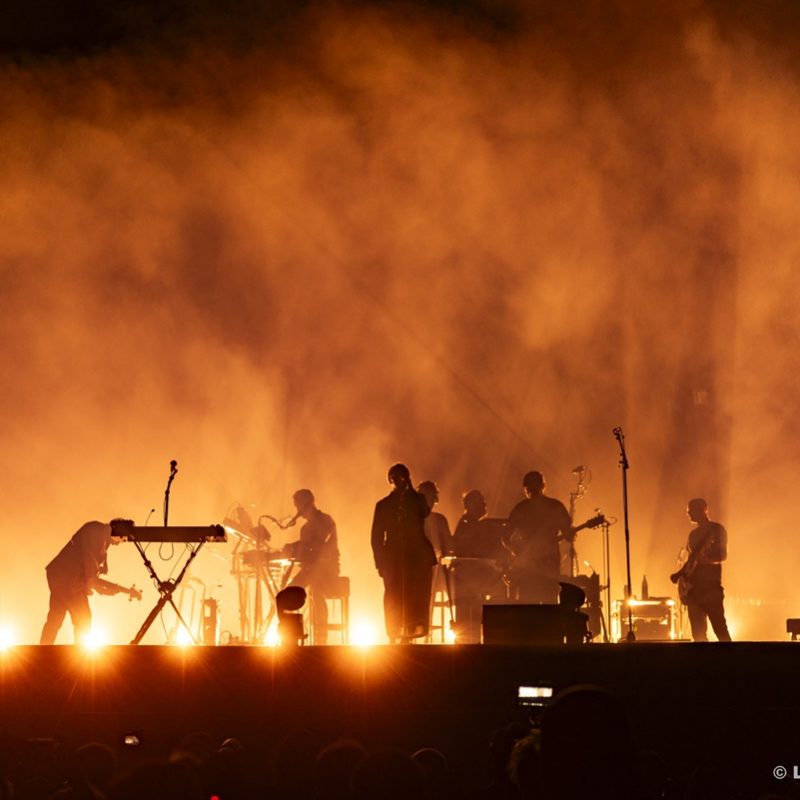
point(535, 526)
point(437, 528)
point(700, 578)
point(75, 573)
point(403, 557)
point(479, 554)
point(476, 535)
point(317, 551)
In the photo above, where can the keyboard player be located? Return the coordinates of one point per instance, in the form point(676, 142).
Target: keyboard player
point(317, 552)
point(477, 566)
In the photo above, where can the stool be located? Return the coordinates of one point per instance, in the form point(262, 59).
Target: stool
point(440, 611)
point(338, 599)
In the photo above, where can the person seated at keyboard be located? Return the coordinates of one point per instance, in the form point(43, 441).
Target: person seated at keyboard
point(317, 552)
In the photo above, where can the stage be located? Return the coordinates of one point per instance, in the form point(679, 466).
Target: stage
point(683, 698)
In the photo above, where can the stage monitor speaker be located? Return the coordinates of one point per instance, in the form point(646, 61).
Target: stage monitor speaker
point(517, 624)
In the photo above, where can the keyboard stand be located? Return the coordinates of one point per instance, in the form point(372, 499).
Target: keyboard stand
point(165, 589)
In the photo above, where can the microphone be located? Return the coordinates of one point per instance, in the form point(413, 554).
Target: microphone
point(579, 469)
point(173, 466)
point(617, 432)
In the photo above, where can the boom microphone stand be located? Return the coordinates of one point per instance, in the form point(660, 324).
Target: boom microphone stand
point(623, 462)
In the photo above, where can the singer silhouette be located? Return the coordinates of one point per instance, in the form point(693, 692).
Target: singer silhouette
point(403, 557)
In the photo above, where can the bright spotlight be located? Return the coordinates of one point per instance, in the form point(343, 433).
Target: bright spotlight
point(363, 634)
point(450, 636)
point(183, 638)
point(8, 638)
point(272, 638)
point(95, 640)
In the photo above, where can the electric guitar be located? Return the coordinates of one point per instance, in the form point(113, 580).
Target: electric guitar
point(599, 519)
point(684, 575)
point(109, 587)
point(594, 522)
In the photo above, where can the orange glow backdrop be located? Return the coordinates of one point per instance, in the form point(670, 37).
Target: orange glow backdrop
point(290, 247)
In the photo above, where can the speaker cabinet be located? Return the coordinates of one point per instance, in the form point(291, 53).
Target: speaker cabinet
point(537, 623)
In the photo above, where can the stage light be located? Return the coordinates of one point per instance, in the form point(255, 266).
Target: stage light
point(95, 640)
point(183, 638)
point(271, 637)
point(450, 636)
point(289, 603)
point(8, 638)
point(363, 634)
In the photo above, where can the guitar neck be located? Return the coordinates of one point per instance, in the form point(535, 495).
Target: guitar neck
point(110, 586)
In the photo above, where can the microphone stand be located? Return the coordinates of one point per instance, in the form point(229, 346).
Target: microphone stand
point(623, 462)
point(580, 490)
point(173, 471)
point(607, 570)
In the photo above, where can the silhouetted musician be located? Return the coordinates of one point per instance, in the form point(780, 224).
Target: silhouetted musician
point(75, 573)
point(317, 551)
point(403, 557)
point(476, 568)
point(535, 525)
point(437, 528)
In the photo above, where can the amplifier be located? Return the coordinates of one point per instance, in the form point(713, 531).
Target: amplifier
point(521, 624)
point(653, 619)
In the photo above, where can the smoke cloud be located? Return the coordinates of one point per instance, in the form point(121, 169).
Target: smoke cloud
point(288, 249)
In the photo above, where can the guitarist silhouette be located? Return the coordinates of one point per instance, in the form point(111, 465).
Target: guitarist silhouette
point(535, 527)
point(699, 579)
point(75, 572)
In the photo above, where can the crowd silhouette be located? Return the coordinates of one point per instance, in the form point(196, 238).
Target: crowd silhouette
point(580, 746)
